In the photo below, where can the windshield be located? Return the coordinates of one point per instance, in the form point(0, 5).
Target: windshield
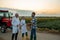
point(7, 14)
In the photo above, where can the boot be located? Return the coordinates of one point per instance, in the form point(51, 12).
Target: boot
point(27, 38)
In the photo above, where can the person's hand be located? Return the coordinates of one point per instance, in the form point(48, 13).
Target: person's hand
point(29, 24)
point(17, 25)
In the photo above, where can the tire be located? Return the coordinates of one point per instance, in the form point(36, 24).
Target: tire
point(3, 29)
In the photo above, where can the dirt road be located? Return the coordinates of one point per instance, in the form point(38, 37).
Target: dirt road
point(40, 36)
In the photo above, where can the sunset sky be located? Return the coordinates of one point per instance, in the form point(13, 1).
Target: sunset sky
point(47, 6)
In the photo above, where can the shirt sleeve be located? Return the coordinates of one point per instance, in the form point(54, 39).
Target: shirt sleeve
point(21, 23)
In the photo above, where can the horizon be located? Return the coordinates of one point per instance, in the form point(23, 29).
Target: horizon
point(28, 13)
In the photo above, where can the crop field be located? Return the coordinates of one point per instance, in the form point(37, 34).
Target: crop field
point(51, 23)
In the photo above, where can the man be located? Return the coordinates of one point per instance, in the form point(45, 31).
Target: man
point(33, 27)
point(15, 26)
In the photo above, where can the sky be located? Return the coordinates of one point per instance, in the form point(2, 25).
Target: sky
point(39, 6)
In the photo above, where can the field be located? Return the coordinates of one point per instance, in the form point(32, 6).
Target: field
point(47, 23)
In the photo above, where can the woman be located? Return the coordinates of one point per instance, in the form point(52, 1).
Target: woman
point(23, 28)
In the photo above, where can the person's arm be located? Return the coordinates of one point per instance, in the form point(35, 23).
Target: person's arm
point(21, 23)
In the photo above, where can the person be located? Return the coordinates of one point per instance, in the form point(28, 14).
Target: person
point(33, 27)
point(23, 28)
point(15, 26)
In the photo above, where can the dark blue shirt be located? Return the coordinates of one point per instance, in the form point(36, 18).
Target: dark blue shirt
point(33, 21)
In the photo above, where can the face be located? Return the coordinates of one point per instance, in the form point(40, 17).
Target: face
point(16, 15)
point(33, 15)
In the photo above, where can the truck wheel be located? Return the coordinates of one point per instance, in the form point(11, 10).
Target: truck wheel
point(3, 29)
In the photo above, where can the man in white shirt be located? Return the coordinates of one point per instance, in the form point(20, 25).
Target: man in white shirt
point(15, 26)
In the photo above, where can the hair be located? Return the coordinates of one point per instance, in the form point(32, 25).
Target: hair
point(22, 17)
point(16, 13)
point(33, 13)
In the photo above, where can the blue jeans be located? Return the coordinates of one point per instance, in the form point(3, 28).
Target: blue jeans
point(33, 34)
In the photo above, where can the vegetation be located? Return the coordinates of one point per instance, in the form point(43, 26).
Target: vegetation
point(47, 22)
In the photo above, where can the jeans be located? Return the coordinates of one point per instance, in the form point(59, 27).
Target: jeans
point(33, 34)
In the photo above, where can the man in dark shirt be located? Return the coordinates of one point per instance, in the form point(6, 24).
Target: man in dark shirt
point(33, 27)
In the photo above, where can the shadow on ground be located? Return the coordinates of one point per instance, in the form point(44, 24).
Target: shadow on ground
point(1, 38)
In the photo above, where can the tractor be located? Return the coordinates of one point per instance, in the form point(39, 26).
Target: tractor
point(5, 20)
